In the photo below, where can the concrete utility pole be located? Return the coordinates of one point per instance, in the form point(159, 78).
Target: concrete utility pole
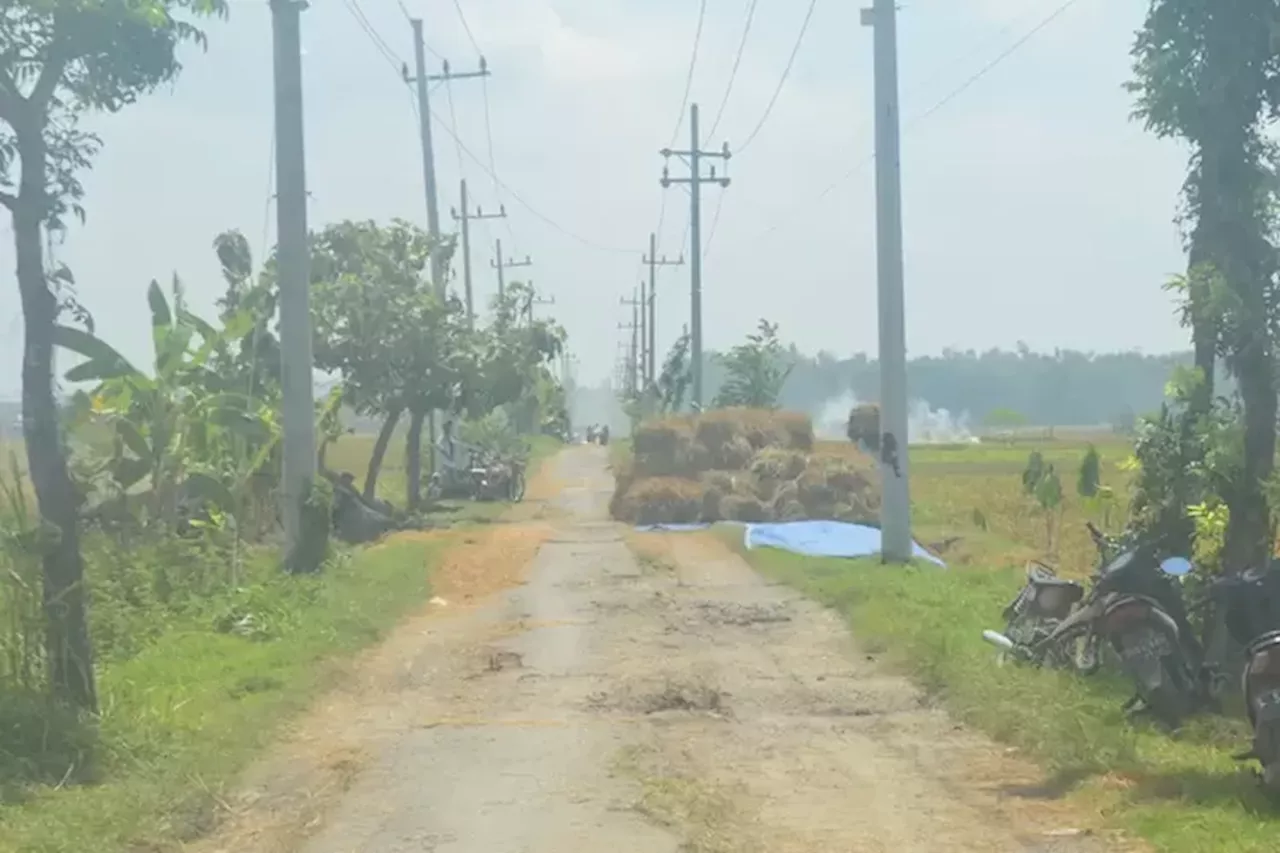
point(895, 512)
point(535, 299)
point(631, 356)
point(638, 320)
point(500, 265)
point(294, 258)
point(653, 262)
point(695, 181)
point(465, 218)
point(422, 80)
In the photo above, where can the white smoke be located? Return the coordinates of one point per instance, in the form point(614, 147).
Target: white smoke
point(831, 418)
point(925, 424)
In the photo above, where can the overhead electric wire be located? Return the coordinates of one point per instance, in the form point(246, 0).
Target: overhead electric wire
point(944, 101)
point(266, 207)
point(715, 221)
point(467, 27)
point(733, 73)
point(453, 119)
point(525, 204)
point(493, 168)
point(782, 81)
point(408, 17)
point(390, 55)
point(489, 171)
point(693, 64)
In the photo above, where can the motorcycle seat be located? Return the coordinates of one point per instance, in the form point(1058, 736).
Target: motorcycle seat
point(1043, 577)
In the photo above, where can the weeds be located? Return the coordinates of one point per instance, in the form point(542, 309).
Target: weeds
point(181, 717)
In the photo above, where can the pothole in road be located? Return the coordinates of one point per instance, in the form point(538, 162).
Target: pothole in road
point(501, 660)
point(733, 613)
point(697, 615)
point(669, 695)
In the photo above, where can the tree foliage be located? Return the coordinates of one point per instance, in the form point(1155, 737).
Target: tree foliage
point(60, 60)
point(756, 370)
point(1207, 72)
point(399, 347)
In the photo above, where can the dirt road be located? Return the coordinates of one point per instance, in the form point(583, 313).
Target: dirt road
point(609, 703)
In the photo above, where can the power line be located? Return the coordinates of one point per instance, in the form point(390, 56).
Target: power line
point(1000, 57)
point(526, 205)
point(404, 10)
point(462, 17)
point(693, 63)
point(266, 207)
point(715, 221)
point(488, 134)
point(786, 72)
point(944, 101)
point(387, 53)
point(453, 118)
point(492, 173)
point(733, 74)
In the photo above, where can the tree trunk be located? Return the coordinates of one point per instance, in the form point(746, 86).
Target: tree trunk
point(413, 460)
point(69, 650)
point(1247, 543)
point(380, 452)
point(1204, 325)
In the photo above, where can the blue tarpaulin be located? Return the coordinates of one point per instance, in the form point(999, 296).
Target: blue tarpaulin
point(823, 539)
point(808, 538)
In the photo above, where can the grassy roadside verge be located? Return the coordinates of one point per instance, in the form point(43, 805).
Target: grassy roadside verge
point(183, 718)
point(1182, 795)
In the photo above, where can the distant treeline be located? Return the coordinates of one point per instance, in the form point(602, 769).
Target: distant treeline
point(1064, 387)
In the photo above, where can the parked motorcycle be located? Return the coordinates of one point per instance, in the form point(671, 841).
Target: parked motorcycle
point(1038, 609)
point(1250, 604)
point(499, 478)
point(1134, 606)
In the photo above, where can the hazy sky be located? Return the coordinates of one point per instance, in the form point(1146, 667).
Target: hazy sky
point(1034, 208)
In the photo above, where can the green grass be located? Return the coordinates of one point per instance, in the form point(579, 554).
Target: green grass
point(182, 718)
point(1183, 794)
point(975, 492)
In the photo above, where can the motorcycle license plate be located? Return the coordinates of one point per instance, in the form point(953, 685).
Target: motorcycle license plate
point(1269, 706)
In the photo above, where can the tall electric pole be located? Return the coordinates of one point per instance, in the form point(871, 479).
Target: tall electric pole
point(422, 80)
point(464, 219)
point(695, 181)
point(501, 265)
point(895, 512)
point(293, 252)
point(638, 320)
point(631, 357)
point(653, 262)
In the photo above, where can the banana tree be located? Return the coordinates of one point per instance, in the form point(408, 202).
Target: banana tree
point(182, 427)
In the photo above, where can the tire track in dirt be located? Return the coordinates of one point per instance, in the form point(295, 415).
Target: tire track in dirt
point(813, 745)
point(671, 703)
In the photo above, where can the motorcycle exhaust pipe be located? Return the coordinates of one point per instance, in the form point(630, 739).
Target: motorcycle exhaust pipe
point(1000, 641)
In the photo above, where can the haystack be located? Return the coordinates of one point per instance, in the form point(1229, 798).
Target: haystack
point(741, 465)
point(660, 500)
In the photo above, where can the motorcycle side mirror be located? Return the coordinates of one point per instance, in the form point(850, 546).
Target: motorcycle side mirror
point(1176, 566)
